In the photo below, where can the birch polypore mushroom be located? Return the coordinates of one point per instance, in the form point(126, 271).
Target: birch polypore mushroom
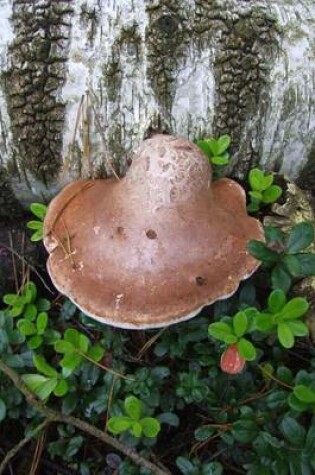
point(155, 247)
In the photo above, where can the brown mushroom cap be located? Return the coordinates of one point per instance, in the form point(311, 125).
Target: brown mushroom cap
point(155, 247)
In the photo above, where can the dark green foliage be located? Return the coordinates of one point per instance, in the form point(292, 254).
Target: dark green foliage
point(283, 254)
point(162, 392)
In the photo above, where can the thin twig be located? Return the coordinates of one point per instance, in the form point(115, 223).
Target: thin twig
point(21, 444)
point(56, 416)
point(38, 453)
point(86, 185)
point(105, 368)
point(149, 343)
point(22, 258)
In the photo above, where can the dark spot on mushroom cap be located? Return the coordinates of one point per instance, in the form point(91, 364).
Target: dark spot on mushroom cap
point(151, 234)
point(201, 280)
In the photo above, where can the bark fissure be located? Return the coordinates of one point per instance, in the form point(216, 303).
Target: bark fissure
point(37, 58)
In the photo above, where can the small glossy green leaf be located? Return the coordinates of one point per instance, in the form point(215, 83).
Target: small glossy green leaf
point(276, 301)
point(272, 194)
point(78, 340)
point(39, 210)
point(203, 433)
point(264, 322)
point(307, 263)
point(298, 328)
point(43, 305)
point(256, 195)
point(136, 429)
point(40, 385)
point(310, 440)
point(96, 352)
point(296, 404)
point(292, 265)
point(280, 279)
point(26, 327)
point(273, 234)
point(133, 407)
point(267, 181)
point(37, 236)
point(169, 418)
point(304, 393)
point(34, 225)
point(240, 324)
point(223, 332)
point(220, 145)
point(16, 311)
point(204, 146)
point(259, 250)
point(219, 160)
point(150, 426)
point(295, 308)
point(185, 466)
point(43, 367)
point(71, 361)
point(246, 349)
point(301, 236)
point(29, 292)
point(119, 424)
point(62, 346)
point(14, 361)
point(35, 342)
point(61, 388)
point(285, 335)
point(12, 299)
point(253, 207)
point(30, 311)
point(293, 431)
point(244, 430)
point(3, 410)
point(41, 322)
point(256, 179)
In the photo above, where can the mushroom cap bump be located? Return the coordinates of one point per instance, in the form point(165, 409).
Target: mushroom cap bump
point(155, 247)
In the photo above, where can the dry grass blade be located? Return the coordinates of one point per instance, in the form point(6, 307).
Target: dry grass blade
point(149, 343)
point(72, 197)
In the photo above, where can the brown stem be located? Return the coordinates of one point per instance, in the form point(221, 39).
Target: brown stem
point(56, 416)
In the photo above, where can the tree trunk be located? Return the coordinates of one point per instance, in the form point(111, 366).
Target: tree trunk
point(84, 81)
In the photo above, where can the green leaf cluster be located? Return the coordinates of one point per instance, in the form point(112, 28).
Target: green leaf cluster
point(39, 210)
point(283, 317)
point(216, 150)
point(46, 383)
point(263, 191)
point(233, 330)
point(32, 315)
point(286, 256)
point(133, 420)
point(75, 348)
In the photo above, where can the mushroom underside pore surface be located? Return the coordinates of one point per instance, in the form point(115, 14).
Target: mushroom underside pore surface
point(155, 247)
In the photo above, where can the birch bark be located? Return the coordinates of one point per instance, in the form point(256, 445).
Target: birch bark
point(84, 81)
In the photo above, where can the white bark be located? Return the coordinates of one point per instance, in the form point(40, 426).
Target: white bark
point(194, 68)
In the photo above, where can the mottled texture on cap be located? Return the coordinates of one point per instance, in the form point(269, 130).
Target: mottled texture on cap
point(155, 247)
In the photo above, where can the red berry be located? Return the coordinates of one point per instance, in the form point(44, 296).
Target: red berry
point(231, 361)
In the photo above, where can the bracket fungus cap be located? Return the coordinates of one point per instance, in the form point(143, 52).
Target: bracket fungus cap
point(155, 247)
